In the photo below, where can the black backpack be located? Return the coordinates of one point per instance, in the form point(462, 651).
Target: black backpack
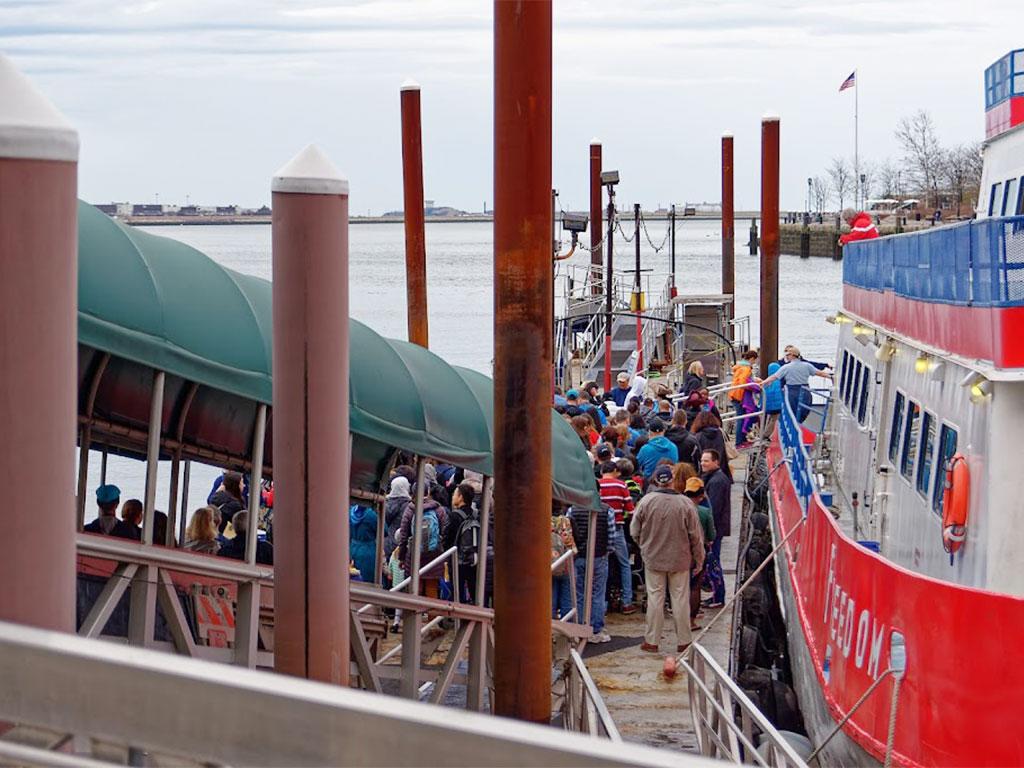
point(467, 541)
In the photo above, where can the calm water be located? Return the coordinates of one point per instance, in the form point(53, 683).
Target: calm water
point(461, 303)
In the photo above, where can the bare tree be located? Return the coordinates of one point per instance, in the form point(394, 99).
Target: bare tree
point(921, 152)
point(821, 191)
point(961, 172)
point(889, 178)
point(841, 176)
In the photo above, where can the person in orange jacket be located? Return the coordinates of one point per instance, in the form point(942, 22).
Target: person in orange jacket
point(861, 227)
point(742, 373)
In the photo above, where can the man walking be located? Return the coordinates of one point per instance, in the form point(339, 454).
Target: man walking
point(718, 488)
point(666, 527)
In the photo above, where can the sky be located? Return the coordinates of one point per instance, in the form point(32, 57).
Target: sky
point(203, 100)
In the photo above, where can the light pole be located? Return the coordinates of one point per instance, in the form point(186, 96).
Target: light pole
point(809, 180)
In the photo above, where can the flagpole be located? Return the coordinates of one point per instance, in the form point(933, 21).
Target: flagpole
point(856, 141)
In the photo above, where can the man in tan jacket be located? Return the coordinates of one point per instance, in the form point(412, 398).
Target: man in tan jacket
point(666, 526)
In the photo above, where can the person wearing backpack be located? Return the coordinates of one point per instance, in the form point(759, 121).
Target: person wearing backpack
point(435, 517)
point(561, 584)
point(462, 532)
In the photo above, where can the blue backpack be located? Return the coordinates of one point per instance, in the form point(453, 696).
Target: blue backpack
point(430, 539)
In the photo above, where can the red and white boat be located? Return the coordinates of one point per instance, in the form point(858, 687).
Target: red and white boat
point(903, 581)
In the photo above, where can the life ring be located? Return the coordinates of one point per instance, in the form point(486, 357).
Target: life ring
point(954, 504)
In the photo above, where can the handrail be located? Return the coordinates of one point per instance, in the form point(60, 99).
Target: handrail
point(589, 697)
point(713, 732)
point(71, 685)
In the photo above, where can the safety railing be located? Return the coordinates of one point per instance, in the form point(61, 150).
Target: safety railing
point(71, 701)
point(584, 710)
point(728, 725)
point(795, 452)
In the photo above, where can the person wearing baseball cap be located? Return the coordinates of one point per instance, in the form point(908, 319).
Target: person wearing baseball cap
point(695, 493)
point(621, 392)
point(108, 498)
point(666, 526)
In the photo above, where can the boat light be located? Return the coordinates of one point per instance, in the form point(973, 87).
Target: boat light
point(885, 351)
point(858, 329)
point(981, 390)
point(864, 338)
point(841, 318)
point(936, 370)
point(831, 319)
point(922, 363)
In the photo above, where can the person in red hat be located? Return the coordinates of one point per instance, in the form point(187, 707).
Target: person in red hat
point(861, 227)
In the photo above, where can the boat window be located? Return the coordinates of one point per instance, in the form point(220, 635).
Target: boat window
point(1019, 211)
point(910, 437)
point(947, 447)
point(1009, 197)
point(865, 392)
point(897, 428)
point(996, 189)
point(844, 385)
point(855, 387)
point(924, 469)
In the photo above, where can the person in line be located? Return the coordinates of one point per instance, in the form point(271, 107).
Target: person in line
point(718, 487)
point(202, 535)
point(581, 532)
point(229, 498)
point(572, 403)
point(686, 444)
point(666, 526)
point(694, 380)
point(637, 388)
point(861, 227)
point(700, 400)
point(235, 548)
point(708, 431)
point(772, 399)
point(695, 493)
point(742, 374)
point(394, 507)
point(559, 399)
point(620, 395)
point(131, 514)
point(657, 447)
point(108, 498)
point(466, 535)
point(435, 517)
point(615, 494)
point(561, 585)
point(362, 541)
point(794, 377)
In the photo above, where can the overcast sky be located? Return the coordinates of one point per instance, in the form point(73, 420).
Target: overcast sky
point(208, 98)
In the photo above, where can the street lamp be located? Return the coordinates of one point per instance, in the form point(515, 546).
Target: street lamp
point(863, 192)
point(809, 180)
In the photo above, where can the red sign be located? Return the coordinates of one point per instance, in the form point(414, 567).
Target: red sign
point(962, 695)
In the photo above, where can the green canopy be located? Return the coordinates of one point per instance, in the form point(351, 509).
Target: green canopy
point(165, 305)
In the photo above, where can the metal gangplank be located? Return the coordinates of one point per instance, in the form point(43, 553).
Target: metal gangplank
point(82, 703)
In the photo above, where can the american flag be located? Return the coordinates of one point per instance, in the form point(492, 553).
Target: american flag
point(849, 82)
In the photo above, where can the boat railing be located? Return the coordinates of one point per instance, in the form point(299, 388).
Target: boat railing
point(71, 701)
point(795, 453)
point(717, 703)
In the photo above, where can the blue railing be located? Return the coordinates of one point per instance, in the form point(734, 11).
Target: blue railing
point(978, 263)
point(795, 453)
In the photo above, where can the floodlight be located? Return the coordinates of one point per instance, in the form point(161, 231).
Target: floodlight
point(574, 222)
point(609, 178)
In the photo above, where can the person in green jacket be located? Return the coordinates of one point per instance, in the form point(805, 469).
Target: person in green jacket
point(695, 492)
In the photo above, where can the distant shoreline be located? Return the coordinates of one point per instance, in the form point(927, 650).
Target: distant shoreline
point(178, 221)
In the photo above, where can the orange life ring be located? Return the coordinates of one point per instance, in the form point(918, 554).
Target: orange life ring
point(954, 504)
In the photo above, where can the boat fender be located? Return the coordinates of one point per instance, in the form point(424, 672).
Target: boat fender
point(954, 504)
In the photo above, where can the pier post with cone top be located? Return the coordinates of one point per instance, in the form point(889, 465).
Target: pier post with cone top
point(412, 213)
point(311, 419)
point(728, 229)
point(38, 357)
point(596, 257)
point(769, 240)
point(522, 359)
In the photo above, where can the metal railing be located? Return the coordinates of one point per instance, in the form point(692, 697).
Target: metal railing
point(97, 705)
point(716, 701)
point(584, 710)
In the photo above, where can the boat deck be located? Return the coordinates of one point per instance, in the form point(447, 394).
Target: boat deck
point(646, 707)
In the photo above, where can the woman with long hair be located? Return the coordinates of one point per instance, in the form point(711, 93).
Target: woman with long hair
point(709, 437)
point(694, 378)
point(584, 427)
point(201, 534)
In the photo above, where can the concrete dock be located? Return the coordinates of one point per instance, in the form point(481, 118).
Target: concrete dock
point(646, 707)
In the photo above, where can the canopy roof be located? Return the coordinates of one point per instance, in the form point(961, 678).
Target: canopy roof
point(156, 303)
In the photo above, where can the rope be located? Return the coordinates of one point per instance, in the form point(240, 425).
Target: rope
point(892, 720)
point(861, 700)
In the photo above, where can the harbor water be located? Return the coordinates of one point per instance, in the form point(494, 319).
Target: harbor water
point(461, 297)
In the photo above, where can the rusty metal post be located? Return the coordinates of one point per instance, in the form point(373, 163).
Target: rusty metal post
point(608, 293)
point(415, 238)
point(38, 317)
point(636, 290)
point(311, 417)
point(769, 240)
point(596, 261)
point(672, 251)
point(522, 359)
point(728, 231)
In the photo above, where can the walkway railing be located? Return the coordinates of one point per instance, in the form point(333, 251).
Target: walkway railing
point(74, 702)
point(716, 702)
point(584, 710)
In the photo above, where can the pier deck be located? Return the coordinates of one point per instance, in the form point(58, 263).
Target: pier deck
point(645, 706)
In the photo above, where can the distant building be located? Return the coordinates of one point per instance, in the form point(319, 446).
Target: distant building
point(428, 207)
point(147, 209)
point(227, 210)
point(188, 210)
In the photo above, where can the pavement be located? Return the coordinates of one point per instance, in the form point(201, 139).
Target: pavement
point(645, 706)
